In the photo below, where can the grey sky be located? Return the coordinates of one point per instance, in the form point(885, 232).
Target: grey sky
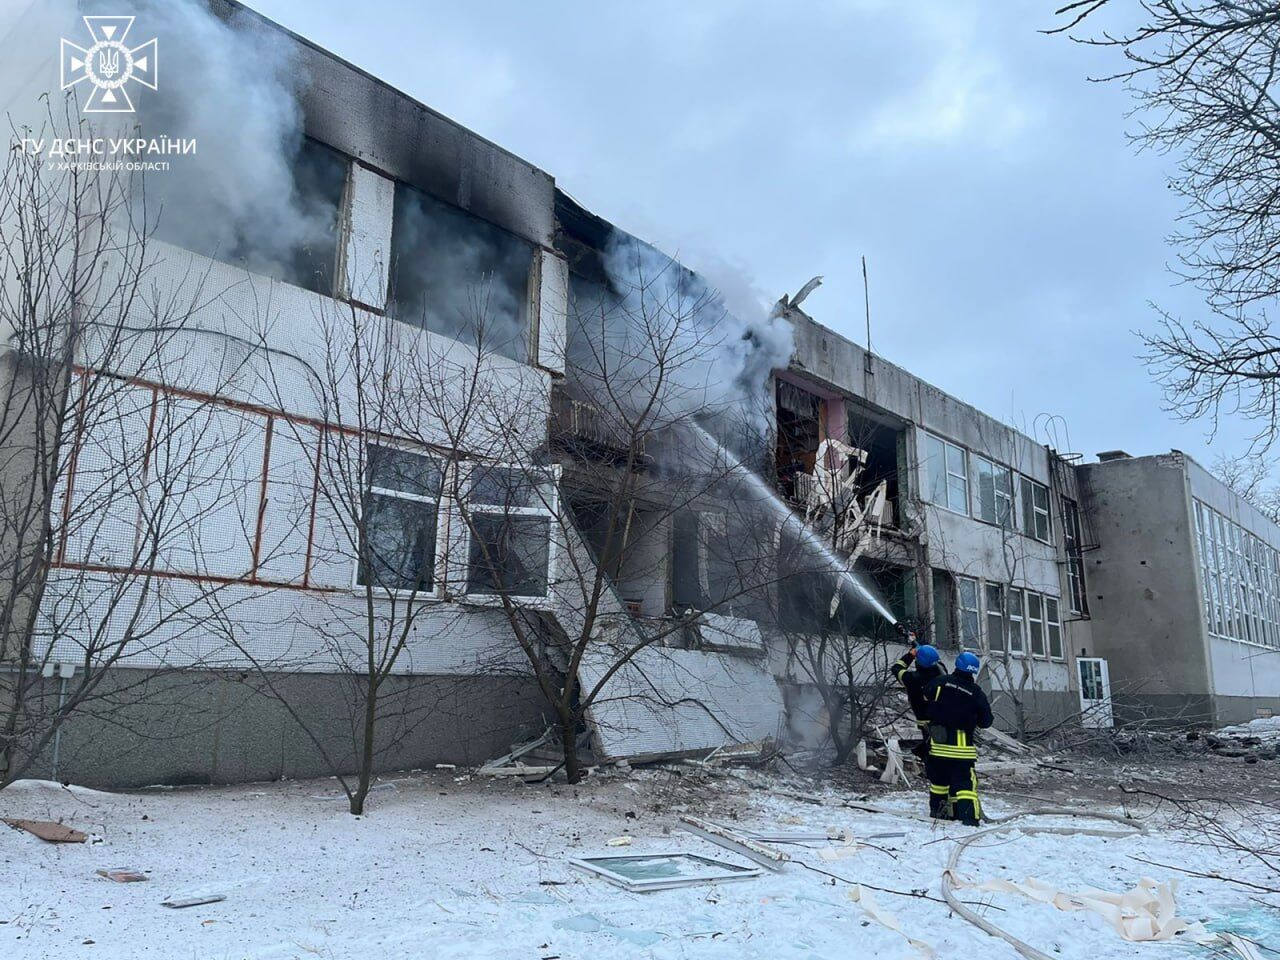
point(1013, 236)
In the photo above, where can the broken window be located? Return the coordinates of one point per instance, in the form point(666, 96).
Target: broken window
point(686, 565)
point(1053, 623)
point(944, 633)
point(1035, 509)
point(301, 249)
point(510, 525)
point(401, 510)
point(993, 492)
point(995, 618)
point(1014, 616)
point(948, 476)
point(459, 276)
point(880, 442)
point(1076, 597)
point(799, 434)
point(661, 871)
point(969, 616)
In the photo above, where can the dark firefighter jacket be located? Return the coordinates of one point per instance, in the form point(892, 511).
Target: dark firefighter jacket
point(916, 681)
point(958, 703)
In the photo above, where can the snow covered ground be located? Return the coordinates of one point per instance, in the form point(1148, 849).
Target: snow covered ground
point(447, 866)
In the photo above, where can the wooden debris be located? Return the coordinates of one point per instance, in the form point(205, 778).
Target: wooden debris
point(193, 901)
point(48, 830)
point(753, 850)
point(123, 875)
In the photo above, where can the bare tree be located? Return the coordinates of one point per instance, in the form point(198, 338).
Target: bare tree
point(105, 473)
point(1250, 477)
point(375, 425)
point(839, 644)
point(569, 534)
point(1203, 73)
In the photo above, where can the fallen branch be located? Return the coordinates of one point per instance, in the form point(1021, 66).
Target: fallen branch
point(1206, 876)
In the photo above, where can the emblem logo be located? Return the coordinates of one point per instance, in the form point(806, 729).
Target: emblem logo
point(109, 64)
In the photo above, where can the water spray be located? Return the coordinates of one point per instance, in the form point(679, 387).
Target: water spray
point(791, 521)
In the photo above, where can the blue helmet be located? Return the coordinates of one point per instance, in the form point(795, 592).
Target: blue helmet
point(926, 655)
point(968, 662)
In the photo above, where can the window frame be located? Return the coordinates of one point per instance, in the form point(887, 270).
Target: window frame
point(963, 640)
point(1053, 627)
point(1077, 589)
point(1239, 580)
point(998, 471)
point(1020, 619)
point(404, 193)
point(550, 476)
point(947, 473)
point(1032, 512)
point(998, 613)
point(1034, 599)
point(438, 560)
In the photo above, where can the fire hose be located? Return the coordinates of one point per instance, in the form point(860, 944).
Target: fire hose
point(1130, 828)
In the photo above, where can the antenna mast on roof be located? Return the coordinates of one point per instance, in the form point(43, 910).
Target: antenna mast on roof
point(866, 301)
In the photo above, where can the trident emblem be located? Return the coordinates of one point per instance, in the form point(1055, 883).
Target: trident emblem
point(109, 64)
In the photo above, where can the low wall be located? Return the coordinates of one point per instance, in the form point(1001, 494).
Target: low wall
point(201, 727)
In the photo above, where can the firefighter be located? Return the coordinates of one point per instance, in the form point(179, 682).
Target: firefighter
point(928, 668)
point(957, 706)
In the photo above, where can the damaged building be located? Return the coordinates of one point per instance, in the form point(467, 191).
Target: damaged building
point(1069, 577)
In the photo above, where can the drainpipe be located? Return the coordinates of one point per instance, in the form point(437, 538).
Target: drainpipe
point(57, 734)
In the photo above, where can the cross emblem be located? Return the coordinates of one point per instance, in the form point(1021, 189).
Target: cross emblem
point(109, 64)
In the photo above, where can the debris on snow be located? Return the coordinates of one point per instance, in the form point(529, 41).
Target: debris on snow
point(645, 872)
point(123, 875)
point(47, 830)
point(181, 903)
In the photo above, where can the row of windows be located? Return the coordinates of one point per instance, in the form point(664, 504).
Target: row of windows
point(450, 272)
point(1017, 621)
point(508, 526)
point(967, 483)
point(1240, 580)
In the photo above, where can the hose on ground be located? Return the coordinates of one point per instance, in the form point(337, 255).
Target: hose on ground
point(1133, 828)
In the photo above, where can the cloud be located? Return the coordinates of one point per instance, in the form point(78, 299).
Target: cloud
point(961, 98)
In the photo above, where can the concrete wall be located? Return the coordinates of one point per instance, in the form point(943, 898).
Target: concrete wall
point(1243, 676)
point(255, 354)
point(1144, 592)
point(217, 727)
point(964, 545)
point(392, 133)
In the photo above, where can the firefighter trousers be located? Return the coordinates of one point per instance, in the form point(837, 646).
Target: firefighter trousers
point(953, 783)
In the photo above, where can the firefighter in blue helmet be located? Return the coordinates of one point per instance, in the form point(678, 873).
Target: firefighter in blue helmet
point(928, 668)
point(957, 707)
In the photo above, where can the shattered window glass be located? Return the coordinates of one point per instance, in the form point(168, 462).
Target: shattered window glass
point(295, 241)
point(509, 521)
point(459, 276)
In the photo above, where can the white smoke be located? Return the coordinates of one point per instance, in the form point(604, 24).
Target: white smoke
point(230, 86)
point(719, 342)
